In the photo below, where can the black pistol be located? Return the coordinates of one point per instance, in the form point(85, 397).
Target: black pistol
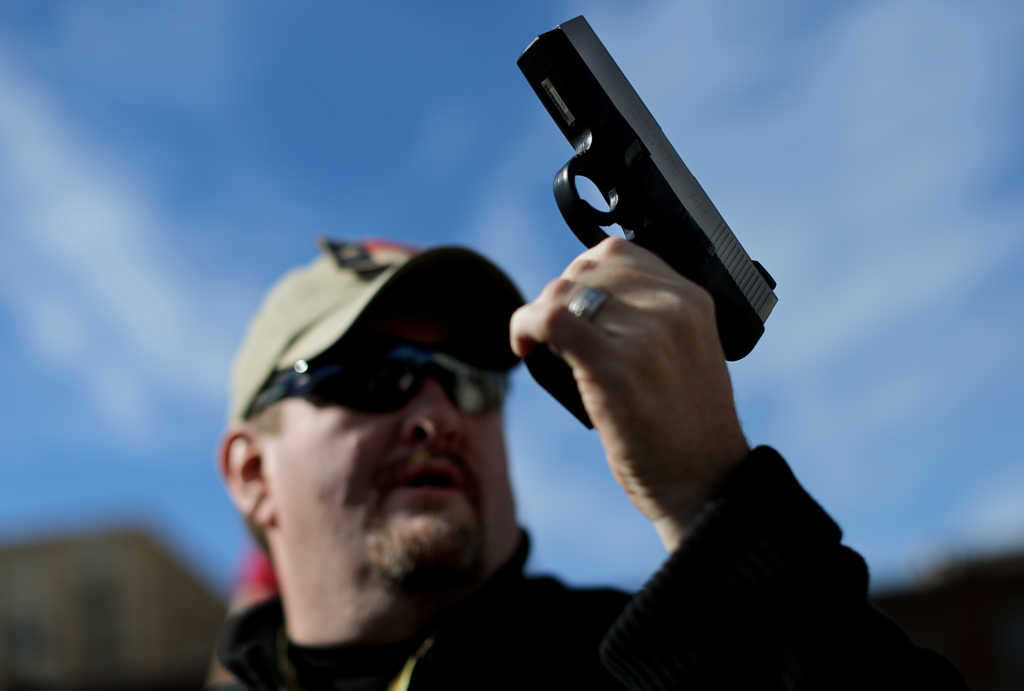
point(650, 193)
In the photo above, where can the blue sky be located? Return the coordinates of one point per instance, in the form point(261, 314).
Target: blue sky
point(160, 166)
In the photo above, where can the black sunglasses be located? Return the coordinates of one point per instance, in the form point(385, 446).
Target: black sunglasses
point(384, 381)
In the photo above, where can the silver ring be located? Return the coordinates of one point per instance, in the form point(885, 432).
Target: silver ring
point(587, 302)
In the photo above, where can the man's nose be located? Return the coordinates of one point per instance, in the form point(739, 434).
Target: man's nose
point(432, 417)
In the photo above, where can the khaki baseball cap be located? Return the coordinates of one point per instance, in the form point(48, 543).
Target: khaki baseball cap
point(312, 307)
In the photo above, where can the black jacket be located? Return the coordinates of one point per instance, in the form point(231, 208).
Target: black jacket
point(760, 595)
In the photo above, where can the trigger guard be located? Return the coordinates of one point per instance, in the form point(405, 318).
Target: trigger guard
point(583, 219)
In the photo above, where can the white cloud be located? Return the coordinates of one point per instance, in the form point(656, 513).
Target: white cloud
point(94, 286)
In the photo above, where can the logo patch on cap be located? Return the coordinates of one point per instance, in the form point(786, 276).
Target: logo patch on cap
point(360, 257)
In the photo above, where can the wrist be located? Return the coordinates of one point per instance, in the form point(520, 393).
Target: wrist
point(690, 499)
point(671, 533)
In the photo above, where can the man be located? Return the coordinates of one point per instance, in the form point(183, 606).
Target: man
point(365, 451)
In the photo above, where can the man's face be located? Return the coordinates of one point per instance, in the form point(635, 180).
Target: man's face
point(418, 497)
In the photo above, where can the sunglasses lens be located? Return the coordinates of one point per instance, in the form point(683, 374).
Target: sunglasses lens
point(477, 392)
point(387, 383)
point(388, 386)
point(379, 388)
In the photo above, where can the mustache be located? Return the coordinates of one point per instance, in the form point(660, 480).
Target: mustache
point(398, 471)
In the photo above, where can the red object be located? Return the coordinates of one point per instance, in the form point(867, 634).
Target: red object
point(256, 574)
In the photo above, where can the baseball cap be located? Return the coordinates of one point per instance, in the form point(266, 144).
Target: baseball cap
point(312, 307)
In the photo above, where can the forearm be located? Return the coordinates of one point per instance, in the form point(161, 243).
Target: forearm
point(762, 594)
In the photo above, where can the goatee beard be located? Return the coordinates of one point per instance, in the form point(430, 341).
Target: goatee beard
point(429, 551)
point(432, 559)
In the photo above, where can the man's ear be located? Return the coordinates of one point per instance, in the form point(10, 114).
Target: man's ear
point(240, 462)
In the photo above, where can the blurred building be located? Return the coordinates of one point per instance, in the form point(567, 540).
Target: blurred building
point(111, 610)
point(972, 611)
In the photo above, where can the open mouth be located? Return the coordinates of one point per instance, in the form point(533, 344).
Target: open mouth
point(431, 475)
point(425, 479)
point(431, 479)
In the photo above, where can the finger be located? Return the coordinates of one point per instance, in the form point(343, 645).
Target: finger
point(526, 328)
point(587, 303)
point(633, 274)
point(549, 320)
point(615, 253)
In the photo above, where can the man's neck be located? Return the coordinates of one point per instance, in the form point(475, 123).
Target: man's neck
point(327, 608)
point(368, 611)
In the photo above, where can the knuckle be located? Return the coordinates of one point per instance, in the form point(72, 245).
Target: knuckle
point(694, 312)
point(581, 265)
point(558, 288)
point(690, 316)
point(614, 246)
point(520, 317)
point(702, 299)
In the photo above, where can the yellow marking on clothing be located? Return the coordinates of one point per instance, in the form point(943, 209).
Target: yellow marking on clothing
point(404, 678)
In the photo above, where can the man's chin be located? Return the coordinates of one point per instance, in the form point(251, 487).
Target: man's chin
point(427, 551)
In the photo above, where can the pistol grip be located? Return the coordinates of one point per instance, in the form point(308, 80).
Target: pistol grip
point(553, 374)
